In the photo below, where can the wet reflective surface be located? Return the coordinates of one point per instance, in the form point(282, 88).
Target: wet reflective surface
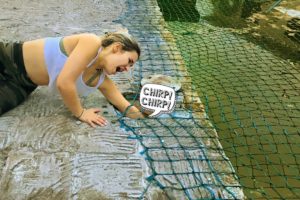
point(244, 63)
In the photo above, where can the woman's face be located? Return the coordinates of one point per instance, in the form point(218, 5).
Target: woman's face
point(118, 60)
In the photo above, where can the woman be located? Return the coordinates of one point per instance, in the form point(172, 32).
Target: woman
point(73, 66)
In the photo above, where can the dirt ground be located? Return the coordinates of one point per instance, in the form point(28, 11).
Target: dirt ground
point(278, 32)
point(271, 29)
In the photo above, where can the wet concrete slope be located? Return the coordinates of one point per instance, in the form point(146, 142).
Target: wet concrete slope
point(44, 152)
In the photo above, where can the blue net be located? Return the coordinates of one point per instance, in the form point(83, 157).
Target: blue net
point(249, 86)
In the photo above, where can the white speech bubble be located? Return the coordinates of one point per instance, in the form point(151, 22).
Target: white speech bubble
point(157, 98)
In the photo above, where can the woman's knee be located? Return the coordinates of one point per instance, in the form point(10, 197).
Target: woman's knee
point(11, 97)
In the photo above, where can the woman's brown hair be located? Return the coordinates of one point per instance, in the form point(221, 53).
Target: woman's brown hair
point(128, 42)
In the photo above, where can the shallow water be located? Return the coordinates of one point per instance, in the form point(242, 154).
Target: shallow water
point(250, 87)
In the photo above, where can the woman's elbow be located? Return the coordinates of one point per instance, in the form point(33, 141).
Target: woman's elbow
point(62, 84)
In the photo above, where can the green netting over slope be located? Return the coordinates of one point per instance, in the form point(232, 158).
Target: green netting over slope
point(251, 96)
point(244, 93)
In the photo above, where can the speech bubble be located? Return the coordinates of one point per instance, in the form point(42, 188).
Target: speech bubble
point(157, 98)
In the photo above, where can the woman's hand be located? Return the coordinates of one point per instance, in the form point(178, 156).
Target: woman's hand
point(133, 112)
point(92, 117)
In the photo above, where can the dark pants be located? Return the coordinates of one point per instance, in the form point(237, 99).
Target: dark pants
point(15, 85)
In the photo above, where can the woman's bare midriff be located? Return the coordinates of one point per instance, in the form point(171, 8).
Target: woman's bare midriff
point(33, 55)
point(34, 61)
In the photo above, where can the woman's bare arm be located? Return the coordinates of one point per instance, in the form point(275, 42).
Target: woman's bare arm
point(85, 50)
point(83, 53)
point(114, 96)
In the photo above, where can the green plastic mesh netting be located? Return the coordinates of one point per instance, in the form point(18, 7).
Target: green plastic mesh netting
point(248, 78)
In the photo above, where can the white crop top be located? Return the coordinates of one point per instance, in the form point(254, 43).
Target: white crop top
point(55, 61)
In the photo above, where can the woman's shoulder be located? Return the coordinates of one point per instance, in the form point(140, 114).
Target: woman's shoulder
point(83, 36)
point(88, 39)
